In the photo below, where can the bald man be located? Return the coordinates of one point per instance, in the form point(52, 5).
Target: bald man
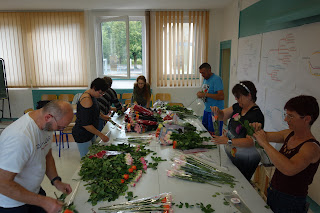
point(26, 156)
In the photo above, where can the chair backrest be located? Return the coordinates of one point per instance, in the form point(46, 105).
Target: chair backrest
point(66, 97)
point(128, 101)
point(27, 110)
point(118, 96)
point(48, 97)
point(163, 97)
point(76, 98)
point(68, 129)
point(126, 96)
point(176, 104)
point(151, 100)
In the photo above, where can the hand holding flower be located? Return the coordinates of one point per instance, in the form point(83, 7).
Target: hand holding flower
point(256, 126)
point(245, 124)
point(261, 137)
point(220, 139)
point(217, 112)
point(200, 94)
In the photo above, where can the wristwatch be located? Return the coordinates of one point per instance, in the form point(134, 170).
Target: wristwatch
point(54, 179)
point(229, 142)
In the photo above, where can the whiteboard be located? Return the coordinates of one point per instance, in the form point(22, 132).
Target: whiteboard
point(308, 76)
point(279, 59)
point(282, 64)
point(249, 58)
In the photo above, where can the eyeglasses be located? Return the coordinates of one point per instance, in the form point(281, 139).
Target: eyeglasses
point(60, 128)
point(290, 117)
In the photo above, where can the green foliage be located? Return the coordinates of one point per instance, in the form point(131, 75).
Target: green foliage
point(130, 196)
point(180, 109)
point(156, 163)
point(71, 207)
point(216, 127)
point(204, 208)
point(250, 129)
point(104, 176)
point(190, 140)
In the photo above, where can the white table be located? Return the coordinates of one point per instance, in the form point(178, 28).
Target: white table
point(154, 182)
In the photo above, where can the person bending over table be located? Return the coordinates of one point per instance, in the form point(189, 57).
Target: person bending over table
point(26, 156)
point(106, 101)
point(239, 145)
point(141, 92)
point(298, 159)
point(88, 112)
point(212, 95)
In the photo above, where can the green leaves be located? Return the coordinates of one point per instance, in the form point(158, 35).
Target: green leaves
point(190, 140)
point(250, 129)
point(130, 196)
point(204, 208)
point(180, 109)
point(157, 160)
point(103, 175)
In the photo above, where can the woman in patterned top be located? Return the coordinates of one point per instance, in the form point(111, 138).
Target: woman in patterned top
point(239, 145)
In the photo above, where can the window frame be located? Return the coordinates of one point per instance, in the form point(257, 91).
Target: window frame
point(98, 44)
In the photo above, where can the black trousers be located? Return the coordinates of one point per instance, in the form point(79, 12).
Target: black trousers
point(25, 208)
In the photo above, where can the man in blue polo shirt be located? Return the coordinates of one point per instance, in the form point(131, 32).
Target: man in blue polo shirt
point(212, 94)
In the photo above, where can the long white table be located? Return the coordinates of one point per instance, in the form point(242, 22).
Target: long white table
point(154, 182)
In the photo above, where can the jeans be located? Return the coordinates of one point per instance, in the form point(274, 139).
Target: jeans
point(25, 208)
point(208, 124)
point(84, 147)
point(280, 202)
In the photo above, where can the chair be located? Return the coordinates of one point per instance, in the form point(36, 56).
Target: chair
point(127, 97)
point(176, 104)
point(76, 98)
point(67, 131)
point(48, 97)
point(163, 97)
point(151, 100)
point(66, 97)
point(118, 96)
point(27, 110)
point(128, 101)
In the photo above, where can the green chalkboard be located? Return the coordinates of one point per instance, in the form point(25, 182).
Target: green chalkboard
point(3, 89)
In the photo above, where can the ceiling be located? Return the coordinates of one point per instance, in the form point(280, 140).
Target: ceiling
point(110, 4)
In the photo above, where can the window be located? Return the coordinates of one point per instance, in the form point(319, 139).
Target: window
point(43, 49)
point(181, 40)
point(120, 46)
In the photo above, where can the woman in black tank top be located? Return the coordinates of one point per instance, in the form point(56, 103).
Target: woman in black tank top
point(298, 160)
point(88, 113)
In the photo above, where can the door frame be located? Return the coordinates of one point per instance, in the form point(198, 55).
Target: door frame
point(225, 45)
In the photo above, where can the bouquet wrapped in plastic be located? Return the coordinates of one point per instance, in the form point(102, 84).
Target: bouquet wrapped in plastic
point(160, 203)
point(189, 167)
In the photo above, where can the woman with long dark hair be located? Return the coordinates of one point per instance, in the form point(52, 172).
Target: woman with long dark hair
point(141, 92)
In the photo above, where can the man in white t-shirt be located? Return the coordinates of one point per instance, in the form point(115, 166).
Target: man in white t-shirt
point(26, 156)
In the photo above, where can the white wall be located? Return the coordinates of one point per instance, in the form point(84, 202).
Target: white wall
point(20, 100)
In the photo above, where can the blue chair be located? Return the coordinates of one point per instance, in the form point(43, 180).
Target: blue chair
point(67, 131)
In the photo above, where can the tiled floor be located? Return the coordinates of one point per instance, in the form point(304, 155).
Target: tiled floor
point(66, 165)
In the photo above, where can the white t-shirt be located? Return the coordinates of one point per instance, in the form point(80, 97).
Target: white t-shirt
point(23, 151)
